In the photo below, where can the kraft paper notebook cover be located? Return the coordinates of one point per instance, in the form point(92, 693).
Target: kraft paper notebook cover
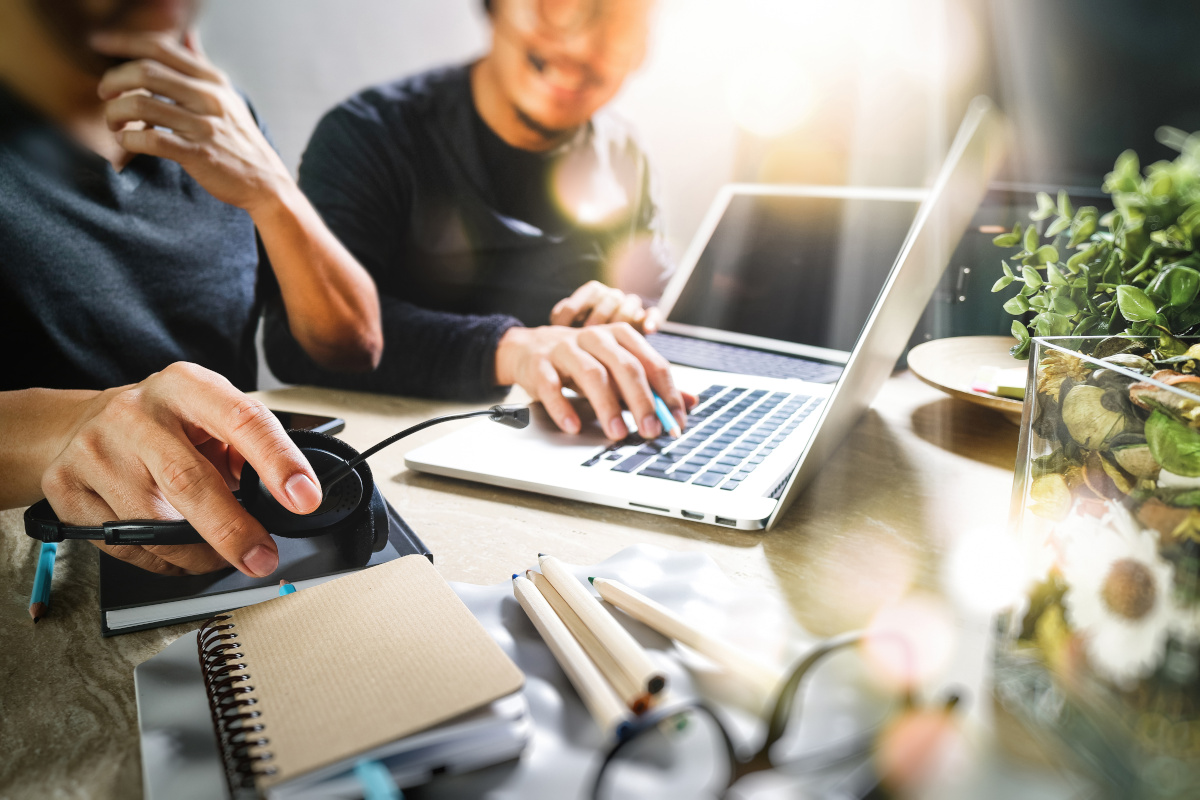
point(314, 678)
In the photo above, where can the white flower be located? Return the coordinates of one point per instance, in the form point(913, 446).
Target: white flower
point(1118, 596)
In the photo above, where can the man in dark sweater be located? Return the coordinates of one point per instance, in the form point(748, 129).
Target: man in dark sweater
point(494, 196)
point(143, 217)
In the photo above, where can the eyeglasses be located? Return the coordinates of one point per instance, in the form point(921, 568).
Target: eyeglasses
point(685, 750)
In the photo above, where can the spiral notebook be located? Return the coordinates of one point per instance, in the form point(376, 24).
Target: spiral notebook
point(303, 684)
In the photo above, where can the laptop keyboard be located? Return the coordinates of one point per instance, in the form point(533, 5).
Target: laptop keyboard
point(729, 433)
point(740, 360)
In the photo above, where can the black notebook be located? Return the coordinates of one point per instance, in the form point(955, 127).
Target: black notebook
point(132, 599)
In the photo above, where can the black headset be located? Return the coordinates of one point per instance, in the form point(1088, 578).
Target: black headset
point(352, 506)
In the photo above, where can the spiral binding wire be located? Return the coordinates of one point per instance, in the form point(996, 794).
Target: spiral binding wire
point(230, 701)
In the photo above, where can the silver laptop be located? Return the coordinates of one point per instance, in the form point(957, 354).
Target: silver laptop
point(788, 313)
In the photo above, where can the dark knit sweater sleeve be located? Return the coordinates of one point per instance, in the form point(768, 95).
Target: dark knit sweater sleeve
point(358, 179)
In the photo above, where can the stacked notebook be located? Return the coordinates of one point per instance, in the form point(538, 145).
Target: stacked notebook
point(132, 599)
point(385, 664)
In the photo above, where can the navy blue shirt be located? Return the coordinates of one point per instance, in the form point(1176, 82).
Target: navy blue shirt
point(107, 276)
point(464, 235)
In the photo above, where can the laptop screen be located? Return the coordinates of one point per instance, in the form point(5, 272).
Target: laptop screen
point(793, 268)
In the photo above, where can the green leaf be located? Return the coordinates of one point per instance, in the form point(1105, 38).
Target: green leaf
point(1002, 283)
point(1064, 204)
point(1054, 276)
point(1045, 207)
point(1173, 444)
point(1058, 226)
point(1064, 305)
point(1031, 239)
point(1175, 287)
point(1047, 254)
point(1020, 331)
point(1135, 305)
point(1049, 323)
point(1007, 271)
point(1039, 303)
point(1016, 305)
point(1007, 240)
point(1032, 277)
point(1082, 256)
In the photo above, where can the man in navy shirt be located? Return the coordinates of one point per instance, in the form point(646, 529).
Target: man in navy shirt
point(143, 219)
point(490, 199)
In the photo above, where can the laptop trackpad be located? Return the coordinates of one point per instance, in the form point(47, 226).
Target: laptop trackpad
point(590, 432)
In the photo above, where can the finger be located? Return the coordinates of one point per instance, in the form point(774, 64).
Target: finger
point(158, 47)
point(653, 320)
point(570, 310)
point(210, 402)
point(143, 108)
point(658, 371)
point(218, 454)
point(630, 310)
point(154, 142)
point(156, 78)
point(548, 390)
point(606, 306)
point(629, 374)
point(193, 486)
point(593, 380)
point(88, 486)
point(191, 40)
point(141, 557)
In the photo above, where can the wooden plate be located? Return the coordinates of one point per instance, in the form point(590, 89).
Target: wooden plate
point(951, 365)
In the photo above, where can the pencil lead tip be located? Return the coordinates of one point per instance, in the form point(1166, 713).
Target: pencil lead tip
point(541, 555)
point(515, 576)
point(592, 581)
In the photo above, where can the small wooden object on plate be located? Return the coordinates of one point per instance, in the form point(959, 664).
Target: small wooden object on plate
point(952, 364)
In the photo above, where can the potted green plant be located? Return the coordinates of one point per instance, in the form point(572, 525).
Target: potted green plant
point(1103, 652)
point(1133, 270)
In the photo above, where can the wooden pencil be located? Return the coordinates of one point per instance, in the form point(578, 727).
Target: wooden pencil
point(602, 702)
point(39, 599)
point(616, 640)
point(671, 625)
point(637, 698)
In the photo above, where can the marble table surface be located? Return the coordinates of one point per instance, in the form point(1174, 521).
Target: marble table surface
point(917, 473)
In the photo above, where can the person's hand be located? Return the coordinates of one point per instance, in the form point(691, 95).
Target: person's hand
point(610, 365)
point(174, 444)
point(210, 130)
point(597, 304)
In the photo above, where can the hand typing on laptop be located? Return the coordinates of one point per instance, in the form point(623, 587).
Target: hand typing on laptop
point(609, 364)
point(597, 304)
point(170, 445)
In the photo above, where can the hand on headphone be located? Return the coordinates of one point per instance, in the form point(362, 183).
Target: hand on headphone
point(174, 445)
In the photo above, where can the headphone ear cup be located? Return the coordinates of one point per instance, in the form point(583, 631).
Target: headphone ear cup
point(381, 524)
point(358, 533)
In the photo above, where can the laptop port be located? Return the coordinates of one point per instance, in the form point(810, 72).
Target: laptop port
point(691, 515)
point(651, 508)
point(726, 521)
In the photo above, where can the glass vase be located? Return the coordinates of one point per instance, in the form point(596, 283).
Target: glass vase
point(1100, 658)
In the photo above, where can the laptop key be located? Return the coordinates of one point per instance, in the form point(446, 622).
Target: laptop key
point(710, 452)
point(720, 469)
point(708, 479)
point(633, 462)
point(658, 473)
point(729, 462)
point(688, 468)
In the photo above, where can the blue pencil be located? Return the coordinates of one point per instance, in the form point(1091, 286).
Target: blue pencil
point(670, 426)
point(39, 600)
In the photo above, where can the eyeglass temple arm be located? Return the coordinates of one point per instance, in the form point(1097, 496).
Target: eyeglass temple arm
point(787, 698)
